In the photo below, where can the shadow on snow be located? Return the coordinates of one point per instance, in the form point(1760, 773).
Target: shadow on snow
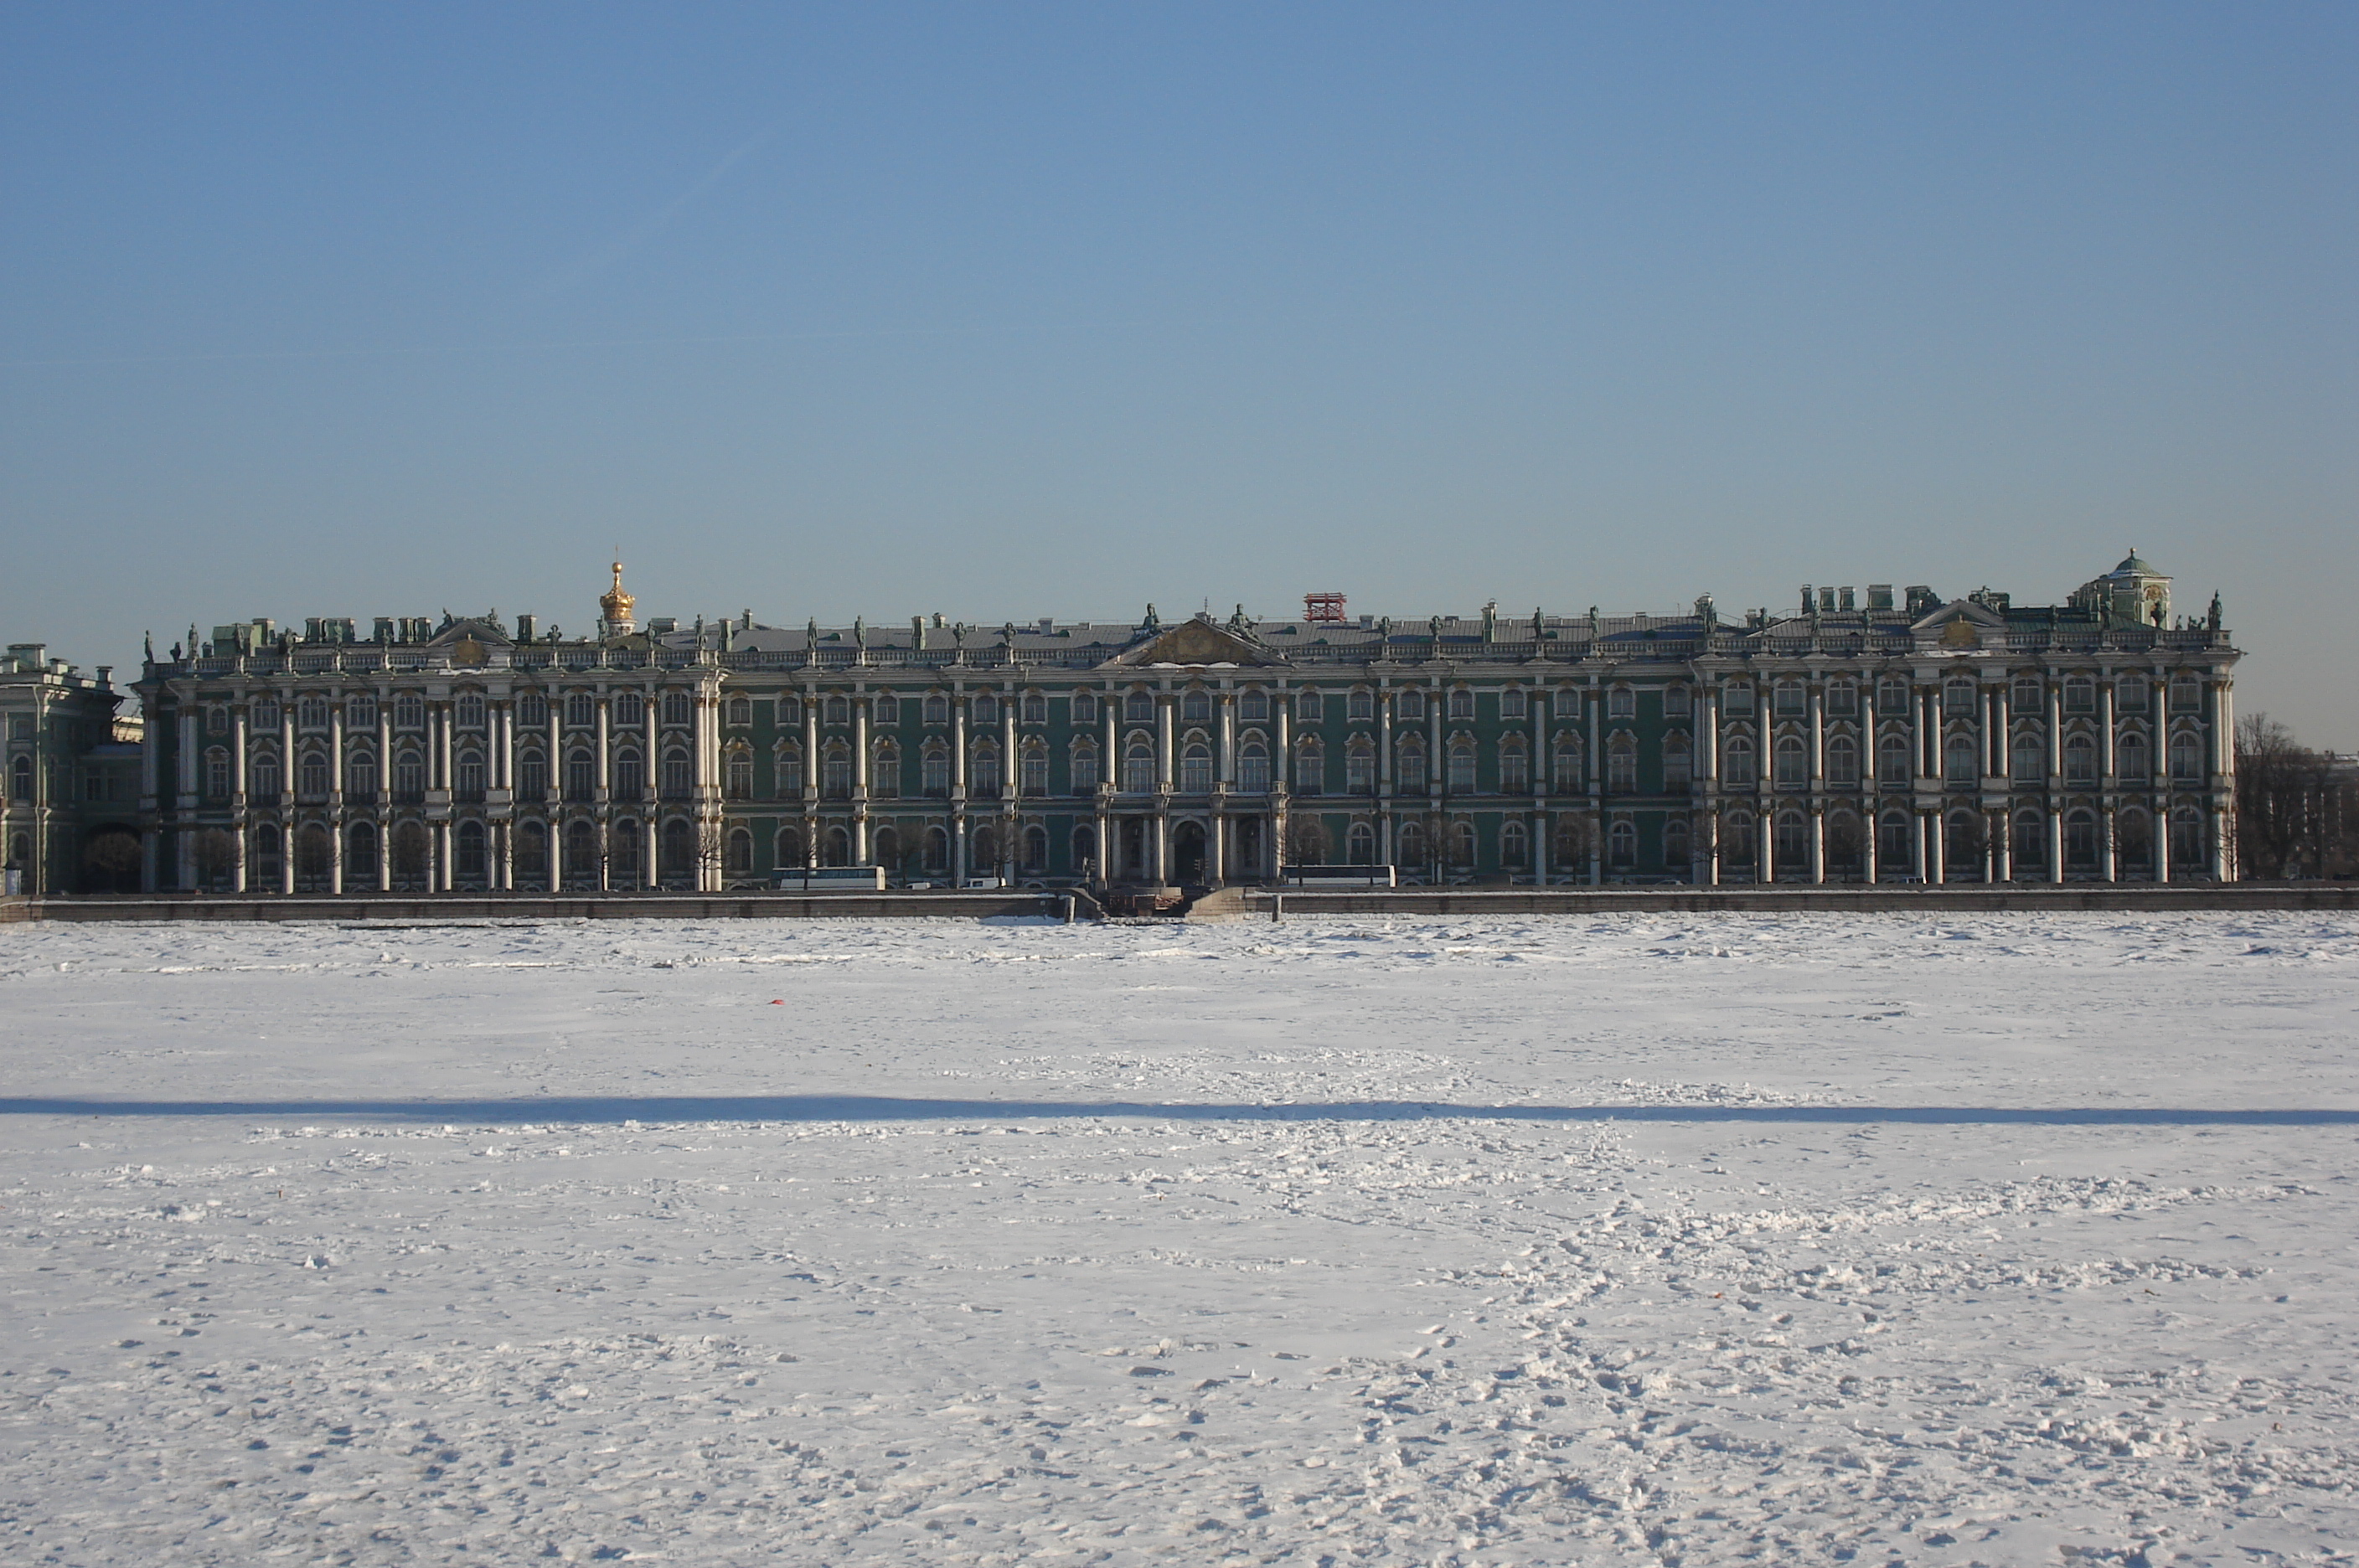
point(619, 1109)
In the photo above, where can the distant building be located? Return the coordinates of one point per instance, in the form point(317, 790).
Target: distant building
point(71, 821)
point(1873, 738)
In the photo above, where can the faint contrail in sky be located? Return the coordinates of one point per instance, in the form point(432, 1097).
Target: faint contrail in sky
point(652, 224)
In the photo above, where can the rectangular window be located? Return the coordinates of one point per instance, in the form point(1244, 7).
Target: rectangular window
point(1676, 702)
point(1308, 709)
point(1411, 706)
point(1363, 706)
point(1255, 705)
point(1086, 707)
point(1622, 703)
point(1843, 699)
point(1462, 704)
point(1736, 699)
point(1567, 701)
point(2129, 696)
point(1512, 704)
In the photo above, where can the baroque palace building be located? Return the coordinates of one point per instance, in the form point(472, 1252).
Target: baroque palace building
point(1859, 738)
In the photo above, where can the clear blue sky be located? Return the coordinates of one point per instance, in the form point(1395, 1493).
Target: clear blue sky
point(1013, 310)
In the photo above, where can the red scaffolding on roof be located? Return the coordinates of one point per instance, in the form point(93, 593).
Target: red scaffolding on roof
point(1328, 607)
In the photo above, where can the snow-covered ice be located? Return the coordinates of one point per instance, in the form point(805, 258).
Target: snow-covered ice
point(2002, 1239)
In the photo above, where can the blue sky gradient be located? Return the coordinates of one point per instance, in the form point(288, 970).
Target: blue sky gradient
point(1020, 311)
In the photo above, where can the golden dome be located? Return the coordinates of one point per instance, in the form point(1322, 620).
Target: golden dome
point(616, 603)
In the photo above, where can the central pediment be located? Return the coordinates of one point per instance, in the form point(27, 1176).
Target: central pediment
point(1196, 642)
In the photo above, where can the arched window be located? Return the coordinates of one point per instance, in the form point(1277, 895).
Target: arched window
point(580, 713)
point(741, 712)
point(1361, 845)
point(1252, 769)
point(1736, 760)
point(2132, 761)
point(468, 856)
point(467, 776)
point(1196, 769)
point(1621, 765)
point(1622, 845)
point(1793, 843)
point(314, 776)
point(581, 857)
point(265, 777)
point(580, 775)
point(1514, 766)
point(788, 849)
point(1032, 769)
point(935, 766)
point(20, 784)
point(983, 851)
point(1565, 703)
point(938, 849)
point(2080, 841)
point(2134, 839)
point(359, 854)
point(1514, 704)
point(1412, 767)
point(1842, 762)
point(1309, 708)
point(835, 772)
point(1196, 706)
point(1410, 707)
point(1566, 768)
point(1677, 771)
point(2187, 841)
point(1360, 767)
point(630, 773)
point(739, 854)
point(2079, 761)
point(1036, 849)
point(678, 774)
point(2031, 842)
point(1461, 845)
point(1896, 844)
point(1793, 762)
point(1310, 767)
point(630, 710)
point(1085, 850)
point(1963, 843)
point(737, 774)
point(1738, 850)
point(1138, 708)
point(409, 777)
point(1412, 844)
point(938, 708)
point(1086, 707)
point(1139, 766)
point(1082, 768)
point(2030, 755)
point(266, 846)
point(1515, 845)
point(679, 708)
point(1675, 844)
point(623, 855)
point(467, 713)
point(1892, 764)
point(1462, 767)
point(360, 778)
point(1621, 703)
point(2186, 758)
point(983, 774)
point(1254, 706)
point(984, 710)
point(1036, 708)
point(678, 851)
point(1962, 767)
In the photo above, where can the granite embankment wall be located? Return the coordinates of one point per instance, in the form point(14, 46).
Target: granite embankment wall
point(1233, 903)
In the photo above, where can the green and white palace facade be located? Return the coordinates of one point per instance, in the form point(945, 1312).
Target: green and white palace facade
point(1869, 737)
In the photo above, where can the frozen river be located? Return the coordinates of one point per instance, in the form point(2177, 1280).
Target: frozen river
point(1544, 1240)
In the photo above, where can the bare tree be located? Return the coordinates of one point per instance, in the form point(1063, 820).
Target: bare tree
point(2294, 806)
point(410, 851)
point(1306, 841)
point(212, 851)
point(113, 854)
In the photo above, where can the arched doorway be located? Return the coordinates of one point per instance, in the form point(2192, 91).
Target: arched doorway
point(1188, 859)
point(1134, 865)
